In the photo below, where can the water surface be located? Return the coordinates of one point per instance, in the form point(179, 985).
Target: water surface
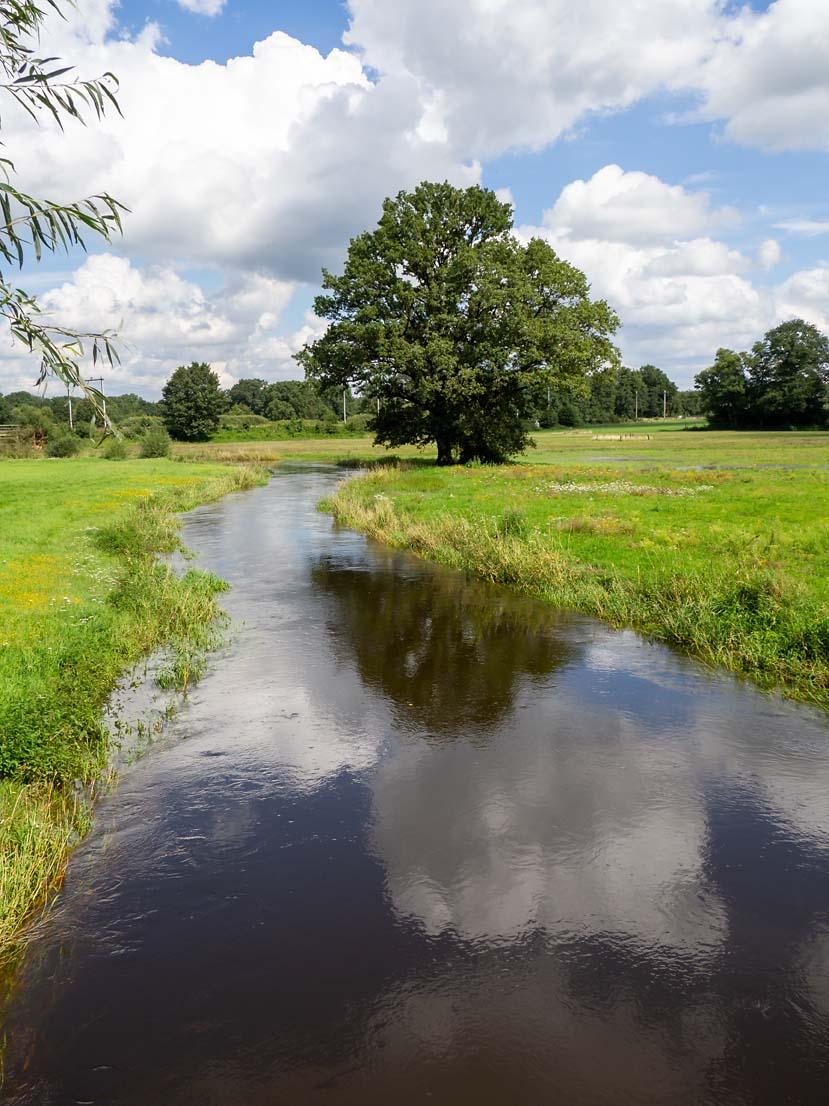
point(416, 840)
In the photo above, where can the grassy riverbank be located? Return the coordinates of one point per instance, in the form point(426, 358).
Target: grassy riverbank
point(668, 445)
point(81, 599)
point(729, 562)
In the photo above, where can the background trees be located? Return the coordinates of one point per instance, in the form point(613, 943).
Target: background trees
point(789, 373)
point(290, 399)
point(659, 393)
point(250, 393)
point(783, 382)
point(724, 389)
point(616, 394)
point(455, 327)
point(193, 403)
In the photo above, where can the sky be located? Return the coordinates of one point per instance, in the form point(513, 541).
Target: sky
point(673, 150)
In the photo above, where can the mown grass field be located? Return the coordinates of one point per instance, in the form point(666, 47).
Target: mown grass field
point(298, 449)
point(81, 599)
point(666, 444)
point(717, 543)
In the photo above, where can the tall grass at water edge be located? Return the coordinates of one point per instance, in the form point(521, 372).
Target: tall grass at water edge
point(83, 598)
point(577, 548)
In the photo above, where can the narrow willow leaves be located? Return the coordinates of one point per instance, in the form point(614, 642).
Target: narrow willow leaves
point(29, 225)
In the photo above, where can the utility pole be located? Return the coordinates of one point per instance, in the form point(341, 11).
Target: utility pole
point(345, 409)
point(636, 407)
point(100, 380)
point(69, 397)
point(664, 405)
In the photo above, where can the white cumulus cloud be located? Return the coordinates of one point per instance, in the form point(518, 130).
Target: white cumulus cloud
point(633, 207)
point(202, 7)
point(645, 246)
point(769, 253)
point(513, 73)
point(271, 161)
point(164, 320)
point(766, 75)
point(805, 294)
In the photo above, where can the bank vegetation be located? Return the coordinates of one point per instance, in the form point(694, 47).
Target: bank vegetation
point(82, 598)
point(730, 566)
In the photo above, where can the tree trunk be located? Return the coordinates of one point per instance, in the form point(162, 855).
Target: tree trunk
point(444, 452)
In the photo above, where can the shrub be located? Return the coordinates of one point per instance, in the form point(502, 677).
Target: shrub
point(136, 426)
point(234, 421)
point(156, 443)
point(62, 444)
point(569, 414)
point(291, 428)
point(327, 426)
point(116, 449)
point(278, 410)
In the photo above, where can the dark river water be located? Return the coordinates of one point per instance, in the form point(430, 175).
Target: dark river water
point(416, 840)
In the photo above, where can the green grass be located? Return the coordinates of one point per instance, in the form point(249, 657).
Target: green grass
point(716, 543)
point(295, 449)
point(81, 599)
point(652, 444)
point(277, 432)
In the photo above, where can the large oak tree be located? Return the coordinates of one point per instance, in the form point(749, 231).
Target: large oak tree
point(454, 326)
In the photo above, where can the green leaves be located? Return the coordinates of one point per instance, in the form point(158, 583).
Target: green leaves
point(32, 82)
point(33, 225)
point(193, 403)
point(47, 225)
point(783, 382)
point(454, 325)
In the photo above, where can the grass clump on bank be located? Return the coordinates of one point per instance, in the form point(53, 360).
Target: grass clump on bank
point(82, 598)
point(731, 566)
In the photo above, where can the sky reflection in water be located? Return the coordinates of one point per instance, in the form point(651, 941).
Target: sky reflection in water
point(428, 841)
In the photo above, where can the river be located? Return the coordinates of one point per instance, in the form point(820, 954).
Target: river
point(414, 839)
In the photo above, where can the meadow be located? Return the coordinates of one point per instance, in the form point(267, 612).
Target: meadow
point(716, 543)
point(82, 597)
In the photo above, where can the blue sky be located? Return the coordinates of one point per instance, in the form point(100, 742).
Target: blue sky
point(676, 152)
point(788, 184)
point(232, 33)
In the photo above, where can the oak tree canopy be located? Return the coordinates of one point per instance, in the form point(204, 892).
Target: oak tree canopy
point(456, 327)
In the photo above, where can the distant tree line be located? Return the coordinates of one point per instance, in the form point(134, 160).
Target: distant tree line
point(617, 394)
point(781, 384)
point(292, 399)
point(48, 416)
point(194, 407)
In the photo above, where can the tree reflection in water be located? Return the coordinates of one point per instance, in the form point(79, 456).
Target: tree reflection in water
point(449, 654)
